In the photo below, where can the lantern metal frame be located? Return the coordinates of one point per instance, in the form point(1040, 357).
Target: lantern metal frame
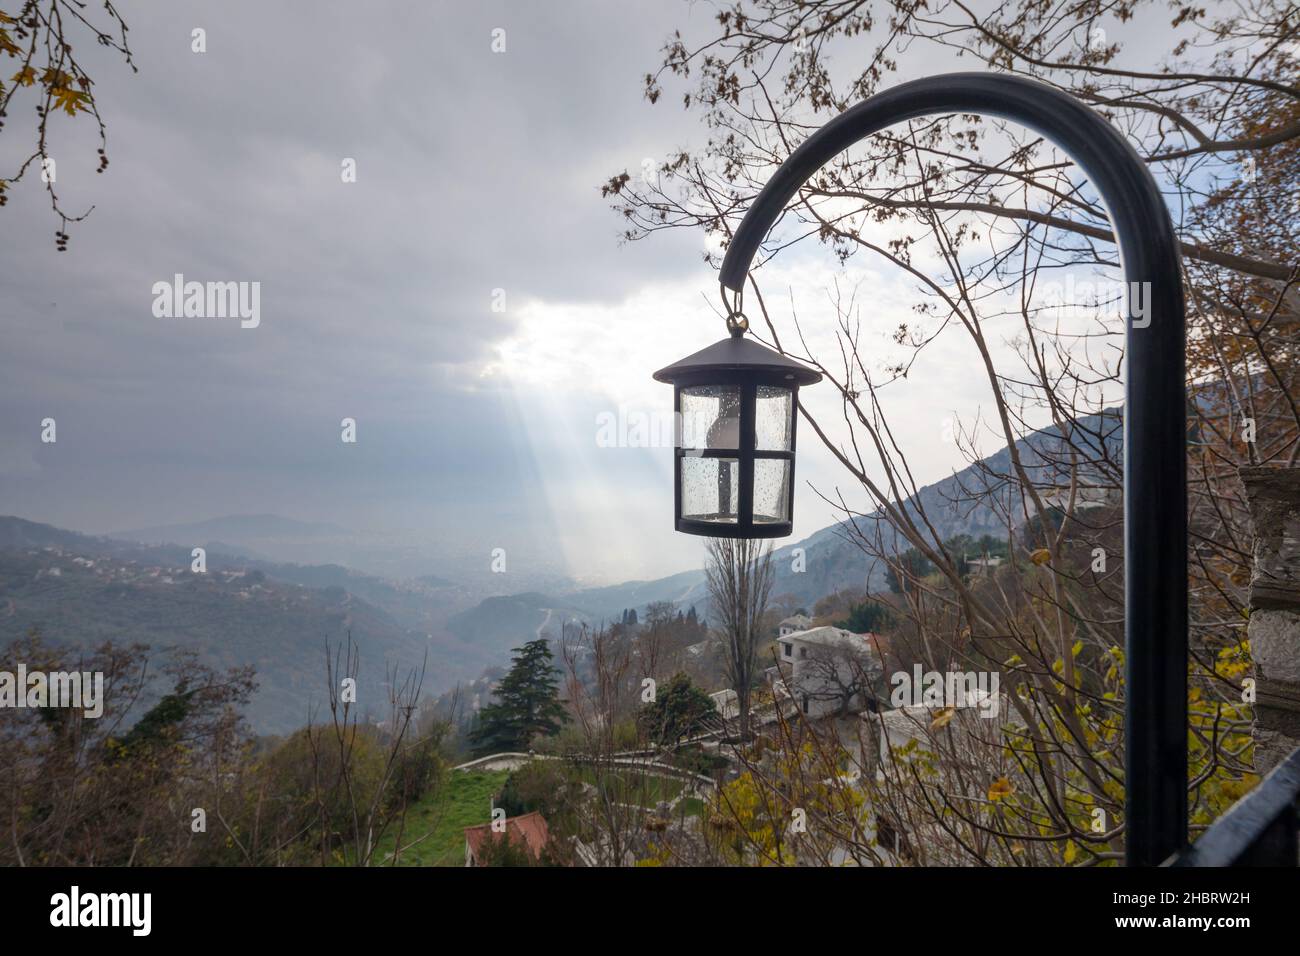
point(746, 365)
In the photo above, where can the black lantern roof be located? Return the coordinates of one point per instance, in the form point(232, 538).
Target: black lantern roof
point(737, 355)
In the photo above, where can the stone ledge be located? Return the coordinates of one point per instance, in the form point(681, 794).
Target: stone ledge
point(1275, 645)
point(1273, 497)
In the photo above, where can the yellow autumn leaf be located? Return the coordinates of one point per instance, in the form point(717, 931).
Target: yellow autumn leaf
point(942, 718)
point(1040, 556)
point(1071, 851)
point(1000, 788)
point(26, 76)
point(68, 100)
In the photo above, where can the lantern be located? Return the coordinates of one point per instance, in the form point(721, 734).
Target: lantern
point(734, 462)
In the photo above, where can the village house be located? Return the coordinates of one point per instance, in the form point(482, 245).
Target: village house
point(984, 565)
point(727, 702)
point(529, 831)
point(831, 670)
point(1083, 496)
point(796, 622)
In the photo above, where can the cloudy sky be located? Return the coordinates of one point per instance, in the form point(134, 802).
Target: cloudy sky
point(475, 171)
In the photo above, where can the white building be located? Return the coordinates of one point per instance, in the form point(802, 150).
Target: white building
point(796, 622)
point(830, 669)
point(1084, 496)
point(984, 565)
point(727, 702)
point(977, 714)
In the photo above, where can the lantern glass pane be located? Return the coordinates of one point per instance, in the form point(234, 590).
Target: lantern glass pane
point(710, 489)
point(771, 490)
point(710, 416)
point(773, 408)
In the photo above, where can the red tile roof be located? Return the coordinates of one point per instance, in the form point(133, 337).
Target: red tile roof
point(529, 830)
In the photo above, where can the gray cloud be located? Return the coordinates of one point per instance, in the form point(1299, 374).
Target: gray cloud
point(476, 171)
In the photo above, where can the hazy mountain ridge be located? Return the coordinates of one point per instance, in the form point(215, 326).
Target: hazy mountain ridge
point(234, 527)
point(277, 615)
point(80, 596)
point(513, 619)
point(82, 589)
point(393, 556)
point(832, 561)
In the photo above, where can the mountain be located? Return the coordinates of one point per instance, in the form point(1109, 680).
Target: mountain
point(972, 501)
point(80, 589)
point(402, 555)
point(16, 534)
point(276, 614)
point(608, 603)
point(265, 537)
point(85, 591)
point(511, 620)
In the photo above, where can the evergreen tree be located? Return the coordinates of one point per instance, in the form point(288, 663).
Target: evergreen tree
point(527, 702)
point(678, 711)
point(865, 617)
point(914, 566)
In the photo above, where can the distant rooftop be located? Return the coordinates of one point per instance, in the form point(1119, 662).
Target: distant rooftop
point(828, 636)
point(529, 829)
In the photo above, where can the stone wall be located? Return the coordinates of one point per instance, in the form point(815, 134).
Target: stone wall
point(1273, 497)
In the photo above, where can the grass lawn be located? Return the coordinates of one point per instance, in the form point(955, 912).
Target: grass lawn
point(636, 789)
point(691, 807)
point(464, 801)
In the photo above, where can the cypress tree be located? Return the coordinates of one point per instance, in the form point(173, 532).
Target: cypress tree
point(526, 704)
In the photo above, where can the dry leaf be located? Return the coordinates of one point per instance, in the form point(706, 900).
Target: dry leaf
point(1000, 788)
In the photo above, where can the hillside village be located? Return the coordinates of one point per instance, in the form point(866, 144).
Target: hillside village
point(658, 784)
point(823, 704)
point(621, 777)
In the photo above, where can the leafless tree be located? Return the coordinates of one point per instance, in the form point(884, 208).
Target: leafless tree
point(123, 788)
point(739, 574)
point(337, 771)
point(599, 691)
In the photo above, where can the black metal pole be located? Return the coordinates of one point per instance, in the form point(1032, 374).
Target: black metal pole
point(1155, 482)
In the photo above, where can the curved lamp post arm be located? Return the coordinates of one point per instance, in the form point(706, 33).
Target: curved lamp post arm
point(1155, 484)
